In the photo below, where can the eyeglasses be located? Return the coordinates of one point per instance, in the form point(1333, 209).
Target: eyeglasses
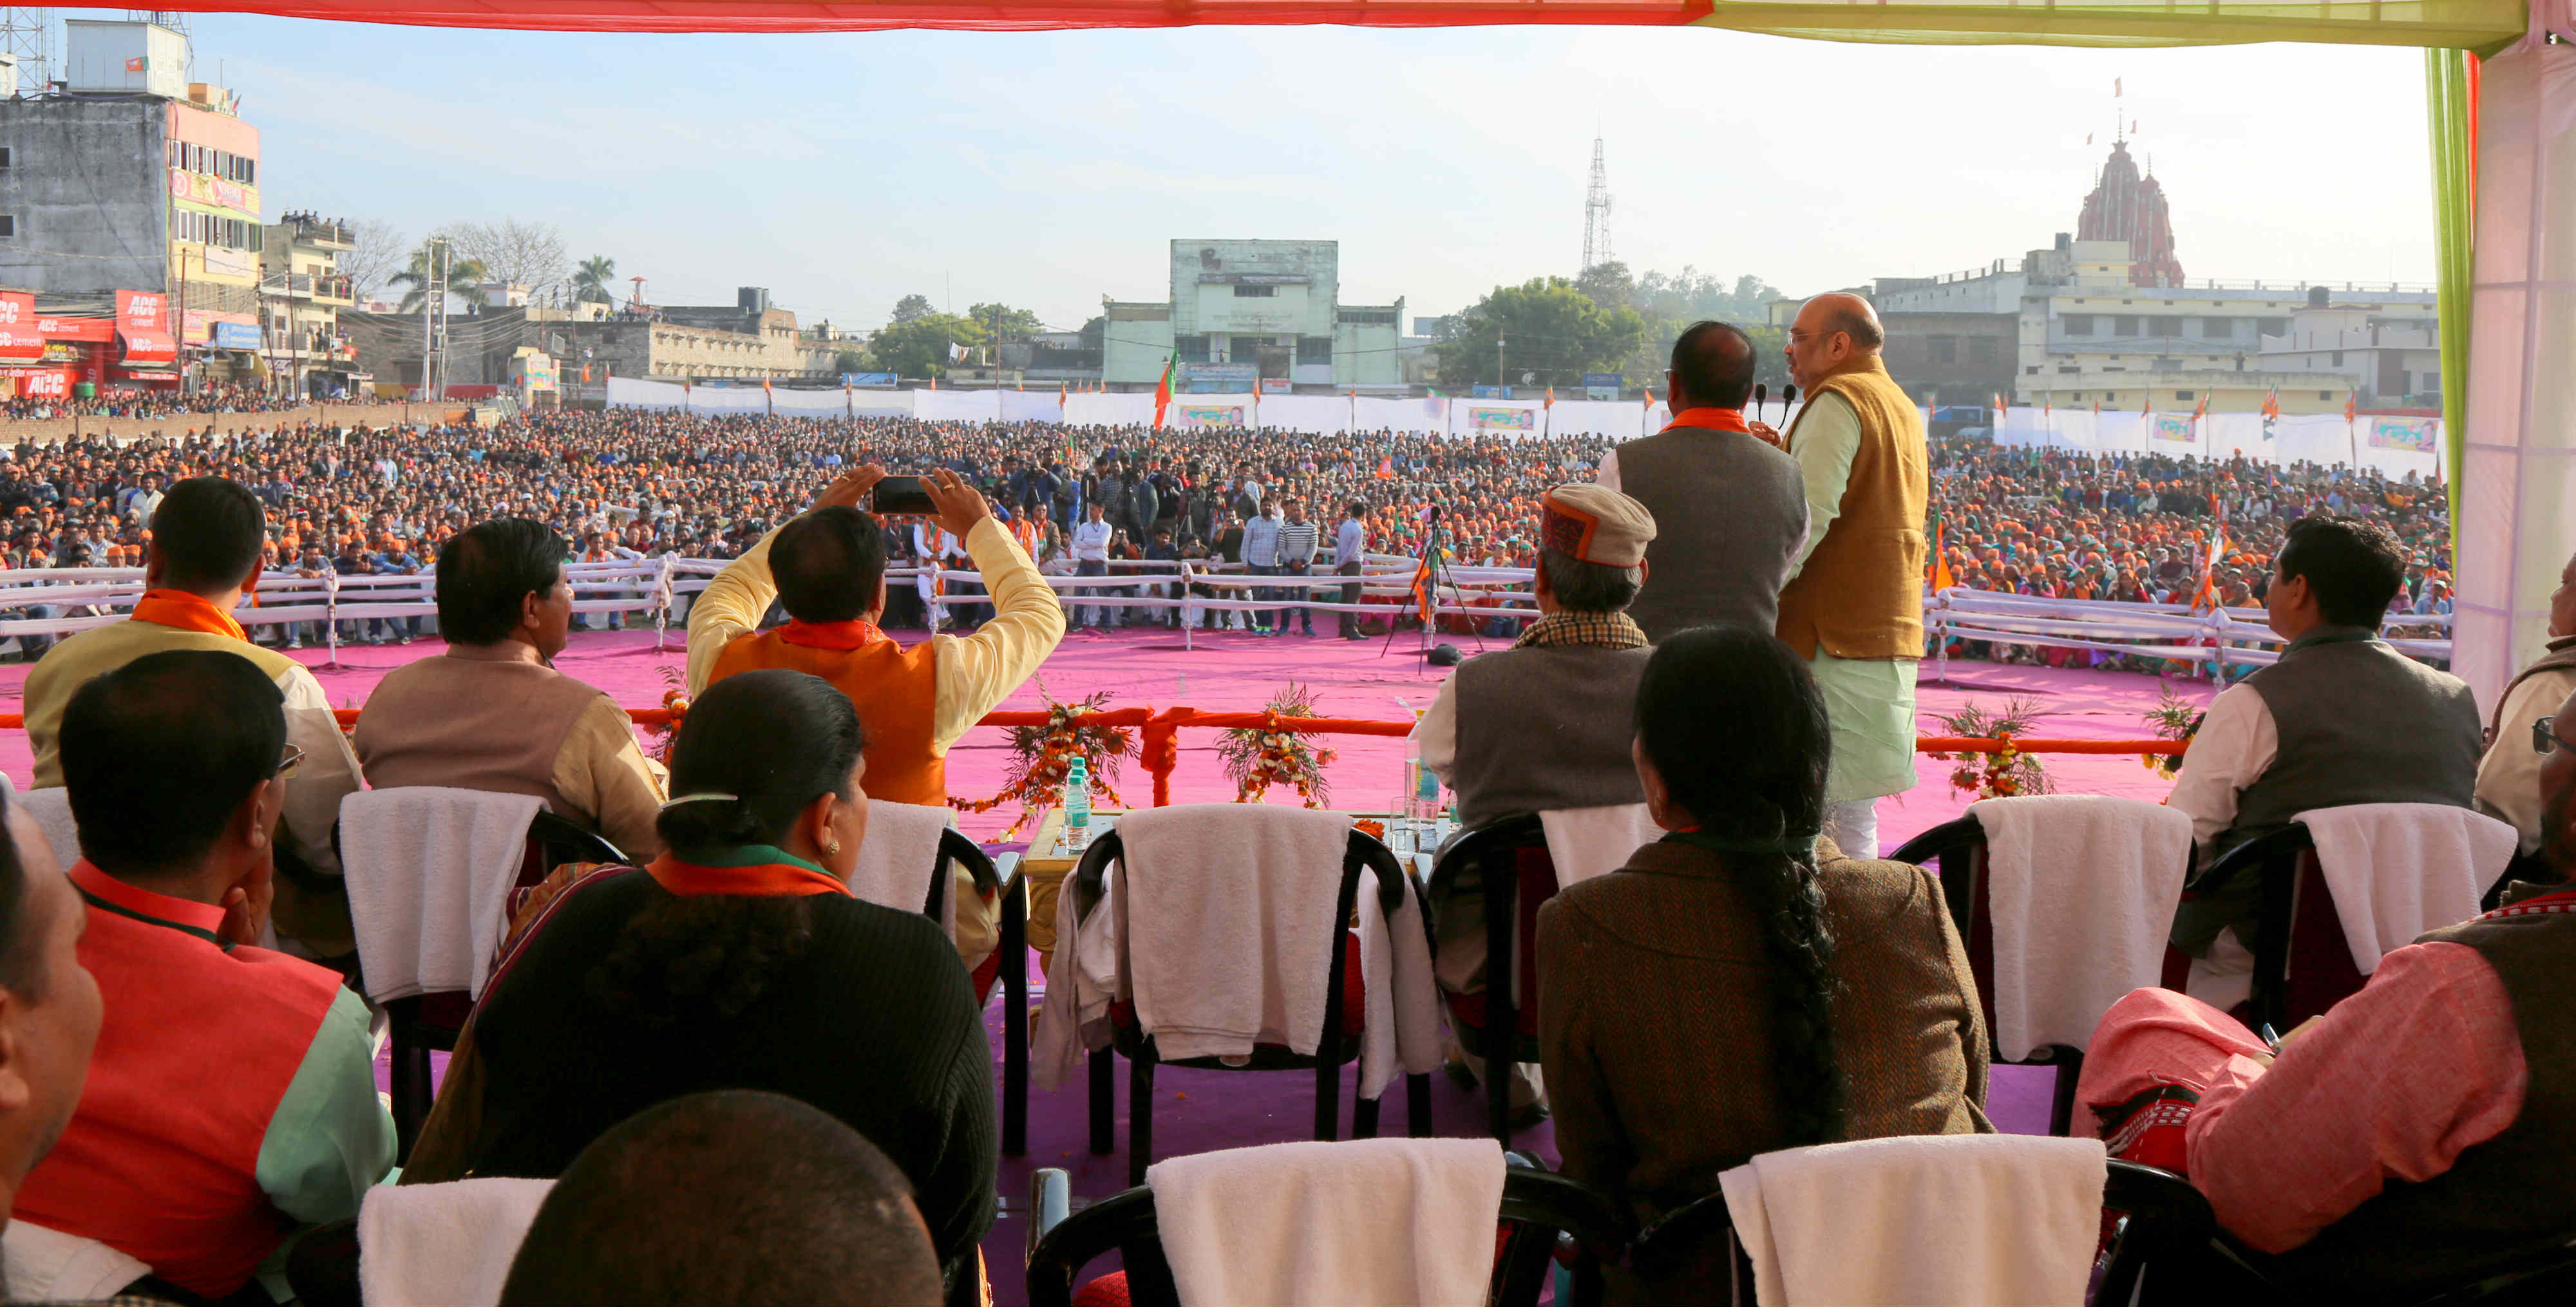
point(286, 766)
point(2545, 741)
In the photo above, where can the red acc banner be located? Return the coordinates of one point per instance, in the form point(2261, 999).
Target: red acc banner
point(20, 341)
point(143, 320)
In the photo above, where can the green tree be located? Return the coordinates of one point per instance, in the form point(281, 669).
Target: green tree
point(465, 278)
point(594, 282)
point(849, 360)
point(920, 347)
point(1547, 330)
point(912, 308)
point(1001, 322)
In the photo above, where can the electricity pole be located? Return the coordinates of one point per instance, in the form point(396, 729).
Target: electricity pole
point(1498, 359)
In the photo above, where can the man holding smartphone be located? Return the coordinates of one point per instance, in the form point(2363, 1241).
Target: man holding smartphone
point(827, 566)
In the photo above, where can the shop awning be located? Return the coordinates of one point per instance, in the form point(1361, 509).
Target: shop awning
point(147, 348)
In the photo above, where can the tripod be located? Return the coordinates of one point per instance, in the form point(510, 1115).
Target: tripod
point(1430, 568)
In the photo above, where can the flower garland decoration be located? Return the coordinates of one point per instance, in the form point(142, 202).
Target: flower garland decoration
point(675, 701)
point(2173, 718)
point(1045, 757)
point(1260, 757)
point(2005, 772)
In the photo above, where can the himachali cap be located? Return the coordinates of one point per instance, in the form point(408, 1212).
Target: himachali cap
point(1595, 524)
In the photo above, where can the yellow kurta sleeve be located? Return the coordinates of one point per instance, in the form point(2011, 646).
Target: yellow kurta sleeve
point(731, 605)
point(600, 769)
point(980, 670)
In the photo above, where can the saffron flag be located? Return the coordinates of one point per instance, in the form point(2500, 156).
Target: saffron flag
point(1941, 579)
point(2272, 405)
point(1551, 398)
point(1163, 390)
point(1386, 468)
point(2351, 407)
point(2147, 406)
point(1060, 391)
point(2208, 593)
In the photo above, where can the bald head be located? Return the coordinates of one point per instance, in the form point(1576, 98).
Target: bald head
point(1833, 333)
point(1712, 367)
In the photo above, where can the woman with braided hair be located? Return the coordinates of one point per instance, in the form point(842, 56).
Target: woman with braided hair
point(1739, 986)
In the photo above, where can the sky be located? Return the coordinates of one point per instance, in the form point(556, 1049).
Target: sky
point(1046, 170)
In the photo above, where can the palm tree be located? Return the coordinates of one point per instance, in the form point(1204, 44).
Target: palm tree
point(465, 279)
point(591, 281)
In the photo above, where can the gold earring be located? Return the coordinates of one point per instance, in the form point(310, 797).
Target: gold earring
point(833, 847)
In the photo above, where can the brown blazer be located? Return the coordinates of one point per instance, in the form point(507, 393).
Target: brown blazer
point(1655, 1026)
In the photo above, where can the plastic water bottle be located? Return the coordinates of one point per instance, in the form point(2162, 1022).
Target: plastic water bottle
point(1077, 806)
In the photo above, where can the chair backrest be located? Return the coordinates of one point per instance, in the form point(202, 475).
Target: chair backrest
point(52, 809)
point(429, 871)
point(1362, 855)
point(1537, 1207)
point(2302, 965)
point(1510, 861)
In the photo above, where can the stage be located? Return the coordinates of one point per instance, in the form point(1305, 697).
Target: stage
point(1350, 678)
point(1206, 1110)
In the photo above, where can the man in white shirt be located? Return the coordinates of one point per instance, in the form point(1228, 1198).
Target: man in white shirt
point(1350, 544)
point(1261, 558)
point(2341, 719)
point(1091, 558)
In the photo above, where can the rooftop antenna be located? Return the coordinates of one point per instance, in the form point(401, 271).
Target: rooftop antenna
point(1596, 211)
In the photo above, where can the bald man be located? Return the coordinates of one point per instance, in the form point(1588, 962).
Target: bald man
point(1730, 510)
point(1853, 607)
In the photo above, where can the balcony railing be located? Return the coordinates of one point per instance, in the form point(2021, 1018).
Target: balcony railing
point(321, 233)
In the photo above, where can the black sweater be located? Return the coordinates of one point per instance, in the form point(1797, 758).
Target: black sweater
point(875, 1022)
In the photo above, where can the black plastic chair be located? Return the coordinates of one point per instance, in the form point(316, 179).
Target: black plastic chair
point(2302, 963)
point(1337, 1047)
point(1010, 964)
point(2542, 1276)
point(426, 1023)
point(1539, 1208)
point(2162, 1219)
point(1509, 858)
point(1957, 848)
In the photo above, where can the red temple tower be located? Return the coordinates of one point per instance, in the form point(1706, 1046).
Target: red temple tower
point(2125, 206)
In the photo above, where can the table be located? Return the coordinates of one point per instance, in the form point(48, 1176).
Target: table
point(1047, 863)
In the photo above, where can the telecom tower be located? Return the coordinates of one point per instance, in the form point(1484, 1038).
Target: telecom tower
point(27, 36)
point(1596, 213)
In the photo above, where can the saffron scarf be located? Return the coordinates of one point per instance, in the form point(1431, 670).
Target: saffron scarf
point(832, 635)
point(1713, 419)
point(752, 871)
point(183, 611)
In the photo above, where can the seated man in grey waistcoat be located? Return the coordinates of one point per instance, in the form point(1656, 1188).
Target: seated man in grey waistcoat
point(2342, 718)
point(1731, 507)
point(1545, 726)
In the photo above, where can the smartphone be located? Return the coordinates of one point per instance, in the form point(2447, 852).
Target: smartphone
point(904, 496)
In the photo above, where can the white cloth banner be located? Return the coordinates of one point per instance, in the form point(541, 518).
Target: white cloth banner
point(1033, 406)
point(1496, 417)
point(1321, 414)
point(1404, 415)
point(2517, 521)
point(2391, 446)
point(1098, 410)
point(1205, 412)
point(1615, 419)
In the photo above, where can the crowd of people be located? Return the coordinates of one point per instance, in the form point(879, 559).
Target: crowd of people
point(709, 1041)
point(159, 402)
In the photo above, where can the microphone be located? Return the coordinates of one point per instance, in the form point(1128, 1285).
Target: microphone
point(1788, 396)
point(1760, 393)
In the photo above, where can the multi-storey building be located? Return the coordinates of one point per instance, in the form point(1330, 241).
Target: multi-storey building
point(1243, 313)
point(302, 291)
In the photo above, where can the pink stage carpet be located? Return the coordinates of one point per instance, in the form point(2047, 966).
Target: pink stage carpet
point(1350, 679)
point(1208, 1110)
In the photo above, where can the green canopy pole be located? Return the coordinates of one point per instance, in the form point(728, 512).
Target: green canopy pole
point(2449, 78)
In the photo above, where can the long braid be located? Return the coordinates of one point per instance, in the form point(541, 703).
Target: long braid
point(1800, 948)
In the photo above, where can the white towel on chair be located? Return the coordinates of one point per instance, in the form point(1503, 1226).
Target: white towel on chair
point(899, 854)
point(52, 809)
point(1227, 924)
point(1082, 977)
point(1963, 1220)
point(1586, 842)
point(443, 1245)
point(2082, 890)
point(1369, 1222)
point(1403, 998)
point(51, 1266)
point(2399, 869)
point(429, 873)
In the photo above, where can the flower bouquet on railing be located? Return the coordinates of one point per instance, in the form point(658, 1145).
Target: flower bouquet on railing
point(2173, 718)
point(2005, 772)
point(676, 701)
point(1045, 755)
point(1258, 758)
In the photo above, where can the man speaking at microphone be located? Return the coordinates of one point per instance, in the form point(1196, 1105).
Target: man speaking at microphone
point(1854, 608)
point(1730, 511)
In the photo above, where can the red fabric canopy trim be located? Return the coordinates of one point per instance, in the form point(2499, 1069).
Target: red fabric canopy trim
point(774, 16)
